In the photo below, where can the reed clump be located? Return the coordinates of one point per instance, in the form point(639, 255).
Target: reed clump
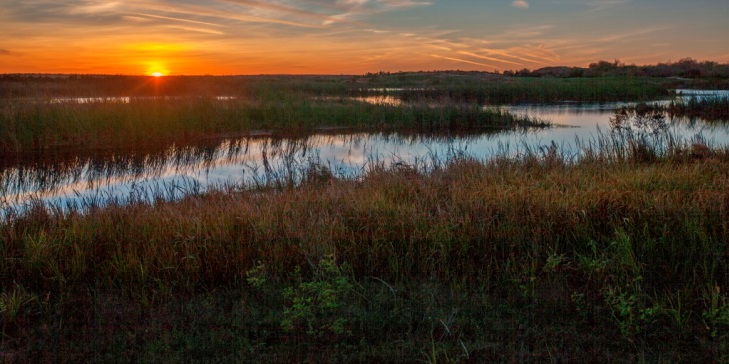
point(438, 261)
point(710, 108)
point(707, 108)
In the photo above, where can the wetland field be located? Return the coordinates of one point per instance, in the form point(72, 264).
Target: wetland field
point(406, 217)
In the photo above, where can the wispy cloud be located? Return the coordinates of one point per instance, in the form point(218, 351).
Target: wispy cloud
point(195, 29)
point(275, 10)
point(593, 5)
point(175, 19)
point(631, 34)
point(489, 58)
point(93, 12)
point(463, 61)
point(94, 7)
point(526, 32)
point(599, 5)
point(252, 36)
point(449, 46)
point(308, 14)
point(378, 31)
point(354, 9)
point(235, 13)
point(403, 3)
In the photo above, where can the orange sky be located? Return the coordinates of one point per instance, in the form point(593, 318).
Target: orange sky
point(351, 36)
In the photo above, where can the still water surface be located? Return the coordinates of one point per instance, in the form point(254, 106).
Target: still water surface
point(179, 171)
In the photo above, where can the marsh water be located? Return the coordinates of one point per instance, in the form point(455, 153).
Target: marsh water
point(172, 172)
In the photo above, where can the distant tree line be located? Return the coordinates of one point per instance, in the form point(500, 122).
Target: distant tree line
point(685, 68)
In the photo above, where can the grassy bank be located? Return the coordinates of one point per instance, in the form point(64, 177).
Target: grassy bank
point(478, 86)
point(527, 258)
point(28, 126)
point(547, 90)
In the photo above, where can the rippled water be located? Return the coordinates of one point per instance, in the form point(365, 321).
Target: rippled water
point(179, 171)
point(702, 93)
point(116, 99)
point(247, 161)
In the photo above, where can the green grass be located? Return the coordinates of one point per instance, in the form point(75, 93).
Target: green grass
point(29, 126)
point(547, 90)
point(517, 259)
point(481, 87)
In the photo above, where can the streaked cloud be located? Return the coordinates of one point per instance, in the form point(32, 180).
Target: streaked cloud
point(403, 3)
point(348, 36)
point(490, 58)
point(593, 5)
point(463, 61)
point(195, 29)
point(631, 34)
point(274, 10)
point(526, 32)
point(175, 19)
point(600, 5)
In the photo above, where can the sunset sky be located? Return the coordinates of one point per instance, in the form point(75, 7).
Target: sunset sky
point(351, 36)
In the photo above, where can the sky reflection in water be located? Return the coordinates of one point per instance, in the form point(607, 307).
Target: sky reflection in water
point(181, 171)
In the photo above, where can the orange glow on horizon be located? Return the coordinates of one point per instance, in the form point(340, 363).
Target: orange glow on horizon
point(237, 37)
point(157, 69)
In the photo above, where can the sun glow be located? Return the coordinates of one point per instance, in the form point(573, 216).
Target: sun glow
point(157, 69)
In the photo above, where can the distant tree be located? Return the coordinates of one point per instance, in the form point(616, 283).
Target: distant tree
point(524, 73)
point(685, 67)
point(692, 73)
point(602, 68)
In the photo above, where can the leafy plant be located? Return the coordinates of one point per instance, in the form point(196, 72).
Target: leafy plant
point(317, 306)
point(630, 309)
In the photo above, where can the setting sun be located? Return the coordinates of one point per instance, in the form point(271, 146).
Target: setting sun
point(157, 68)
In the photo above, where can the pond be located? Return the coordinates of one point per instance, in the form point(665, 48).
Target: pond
point(176, 171)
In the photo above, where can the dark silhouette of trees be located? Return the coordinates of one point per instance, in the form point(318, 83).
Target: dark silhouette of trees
point(684, 68)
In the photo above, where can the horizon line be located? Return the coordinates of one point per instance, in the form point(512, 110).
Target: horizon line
point(351, 74)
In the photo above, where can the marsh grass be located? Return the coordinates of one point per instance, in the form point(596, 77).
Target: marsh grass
point(547, 90)
point(83, 183)
point(535, 253)
point(712, 109)
point(28, 126)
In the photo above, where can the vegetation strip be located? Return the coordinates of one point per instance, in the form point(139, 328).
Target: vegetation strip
point(711, 109)
point(400, 264)
point(31, 126)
